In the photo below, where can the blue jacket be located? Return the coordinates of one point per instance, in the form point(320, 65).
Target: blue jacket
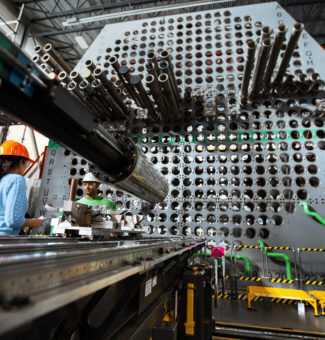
point(13, 204)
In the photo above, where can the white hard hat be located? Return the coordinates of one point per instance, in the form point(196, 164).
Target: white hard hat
point(89, 177)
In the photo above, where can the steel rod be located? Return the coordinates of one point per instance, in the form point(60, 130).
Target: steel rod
point(251, 48)
point(276, 48)
point(260, 67)
point(136, 81)
point(292, 43)
point(168, 92)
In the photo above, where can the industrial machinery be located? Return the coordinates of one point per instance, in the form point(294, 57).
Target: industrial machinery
point(95, 222)
point(227, 106)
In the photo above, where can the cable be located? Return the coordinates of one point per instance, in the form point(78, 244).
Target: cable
point(307, 211)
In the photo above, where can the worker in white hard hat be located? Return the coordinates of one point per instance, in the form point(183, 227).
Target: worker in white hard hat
point(91, 185)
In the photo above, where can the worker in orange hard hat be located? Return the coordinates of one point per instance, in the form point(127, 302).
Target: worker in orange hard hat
point(14, 160)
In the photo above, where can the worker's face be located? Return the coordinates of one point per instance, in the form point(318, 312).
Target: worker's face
point(23, 166)
point(91, 189)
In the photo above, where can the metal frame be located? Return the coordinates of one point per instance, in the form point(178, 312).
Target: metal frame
point(77, 269)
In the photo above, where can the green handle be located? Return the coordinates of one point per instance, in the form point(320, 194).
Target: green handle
point(319, 218)
point(282, 256)
point(239, 257)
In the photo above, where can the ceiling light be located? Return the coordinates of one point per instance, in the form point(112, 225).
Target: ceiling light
point(151, 10)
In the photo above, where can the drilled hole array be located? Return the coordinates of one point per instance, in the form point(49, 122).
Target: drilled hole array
point(234, 182)
point(237, 179)
point(207, 49)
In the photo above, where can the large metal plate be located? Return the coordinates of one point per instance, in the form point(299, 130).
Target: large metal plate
point(208, 50)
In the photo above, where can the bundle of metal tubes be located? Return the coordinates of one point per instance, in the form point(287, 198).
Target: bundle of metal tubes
point(269, 51)
point(96, 92)
point(300, 84)
point(163, 86)
point(50, 60)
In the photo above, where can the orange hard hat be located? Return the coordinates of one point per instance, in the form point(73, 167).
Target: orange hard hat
point(12, 148)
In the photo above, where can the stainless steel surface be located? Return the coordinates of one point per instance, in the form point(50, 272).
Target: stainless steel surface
point(145, 181)
point(54, 273)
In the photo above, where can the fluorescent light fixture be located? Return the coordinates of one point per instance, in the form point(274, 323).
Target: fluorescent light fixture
point(76, 21)
point(81, 42)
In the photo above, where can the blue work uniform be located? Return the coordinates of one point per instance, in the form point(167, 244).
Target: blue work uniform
point(13, 204)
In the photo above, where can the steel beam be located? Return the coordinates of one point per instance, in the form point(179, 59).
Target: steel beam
point(72, 30)
point(20, 2)
point(93, 9)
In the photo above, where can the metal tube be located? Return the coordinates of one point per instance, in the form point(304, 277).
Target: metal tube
point(262, 60)
point(73, 189)
point(266, 32)
point(52, 63)
point(63, 77)
point(300, 269)
point(164, 68)
point(36, 59)
point(136, 81)
point(73, 89)
point(48, 48)
point(124, 75)
point(34, 143)
point(115, 64)
point(87, 92)
point(292, 43)
point(157, 95)
point(315, 76)
point(251, 48)
point(85, 88)
point(108, 100)
point(90, 65)
point(295, 264)
point(166, 56)
point(144, 181)
point(166, 86)
point(150, 69)
point(276, 48)
point(74, 75)
point(38, 49)
point(98, 73)
point(153, 60)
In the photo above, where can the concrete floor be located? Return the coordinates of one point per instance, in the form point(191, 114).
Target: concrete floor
point(270, 315)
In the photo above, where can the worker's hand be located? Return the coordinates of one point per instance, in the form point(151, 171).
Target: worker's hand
point(34, 223)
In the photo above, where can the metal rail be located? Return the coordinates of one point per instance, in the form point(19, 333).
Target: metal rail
point(47, 275)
